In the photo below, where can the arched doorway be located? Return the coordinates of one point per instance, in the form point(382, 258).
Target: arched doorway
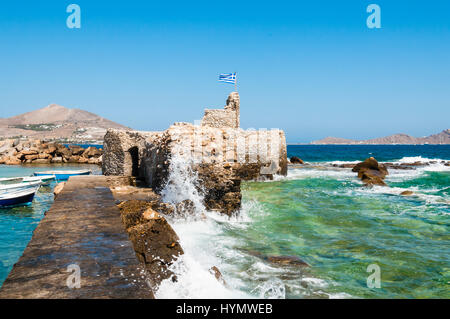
point(134, 153)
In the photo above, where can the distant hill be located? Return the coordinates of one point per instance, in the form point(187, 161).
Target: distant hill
point(58, 122)
point(441, 138)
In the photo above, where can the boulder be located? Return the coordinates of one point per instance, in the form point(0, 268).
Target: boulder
point(371, 172)
point(29, 152)
point(370, 163)
point(44, 156)
point(91, 151)
point(76, 149)
point(51, 149)
point(82, 160)
point(5, 147)
point(74, 159)
point(57, 160)
point(370, 177)
point(58, 188)
point(12, 161)
point(64, 152)
point(296, 160)
point(155, 242)
point(94, 160)
point(407, 193)
point(31, 157)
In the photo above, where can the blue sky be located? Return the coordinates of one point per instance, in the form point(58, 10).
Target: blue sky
point(312, 68)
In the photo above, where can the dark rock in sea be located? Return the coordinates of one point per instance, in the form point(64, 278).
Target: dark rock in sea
point(398, 166)
point(415, 164)
point(296, 160)
point(348, 165)
point(371, 172)
point(279, 260)
point(216, 272)
point(407, 193)
point(287, 261)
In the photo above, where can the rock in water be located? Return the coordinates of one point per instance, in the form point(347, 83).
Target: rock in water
point(58, 188)
point(287, 260)
point(371, 172)
point(216, 272)
point(407, 193)
point(296, 160)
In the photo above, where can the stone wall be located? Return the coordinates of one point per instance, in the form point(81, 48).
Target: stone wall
point(221, 158)
point(123, 151)
point(227, 117)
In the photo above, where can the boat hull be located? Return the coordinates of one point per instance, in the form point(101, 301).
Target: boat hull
point(20, 200)
point(62, 176)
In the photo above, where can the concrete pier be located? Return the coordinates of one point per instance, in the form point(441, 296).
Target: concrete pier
point(83, 228)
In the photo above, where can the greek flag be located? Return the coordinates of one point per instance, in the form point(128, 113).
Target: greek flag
point(228, 78)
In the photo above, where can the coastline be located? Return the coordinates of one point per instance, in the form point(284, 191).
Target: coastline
point(258, 213)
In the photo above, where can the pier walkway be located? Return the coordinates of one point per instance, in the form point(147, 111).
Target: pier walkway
point(82, 229)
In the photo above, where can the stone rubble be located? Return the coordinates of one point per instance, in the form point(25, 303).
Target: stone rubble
point(17, 152)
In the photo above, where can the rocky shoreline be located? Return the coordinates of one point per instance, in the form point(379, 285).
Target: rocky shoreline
point(31, 151)
point(370, 171)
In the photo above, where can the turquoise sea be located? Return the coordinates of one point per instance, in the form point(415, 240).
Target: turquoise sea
point(320, 214)
point(324, 216)
point(18, 223)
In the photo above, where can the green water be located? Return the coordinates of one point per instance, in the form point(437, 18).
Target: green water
point(339, 228)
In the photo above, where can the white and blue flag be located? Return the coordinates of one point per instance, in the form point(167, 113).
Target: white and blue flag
point(228, 78)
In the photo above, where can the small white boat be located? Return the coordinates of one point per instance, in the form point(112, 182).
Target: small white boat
point(18, 198)
point(19, 187)
point(45, 180)
point(63, 175)
point(9, 180)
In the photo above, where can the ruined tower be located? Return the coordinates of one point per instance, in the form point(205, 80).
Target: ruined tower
point(228, 117)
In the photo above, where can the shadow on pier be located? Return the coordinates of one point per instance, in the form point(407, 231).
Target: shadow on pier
point(82, 228)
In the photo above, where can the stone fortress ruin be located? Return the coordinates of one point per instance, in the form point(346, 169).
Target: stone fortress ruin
point(218, 153)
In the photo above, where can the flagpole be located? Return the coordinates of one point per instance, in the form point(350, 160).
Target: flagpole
point(235, 89)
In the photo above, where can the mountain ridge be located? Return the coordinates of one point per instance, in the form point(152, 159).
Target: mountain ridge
point(400, 138)
point(57, 122)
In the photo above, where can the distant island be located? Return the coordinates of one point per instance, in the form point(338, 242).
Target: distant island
point(440, 138)
point(56, 122)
